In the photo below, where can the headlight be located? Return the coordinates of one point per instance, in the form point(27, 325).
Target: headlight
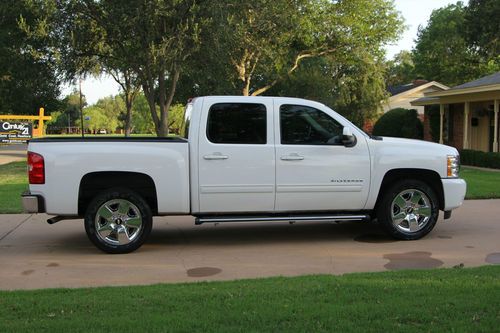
point(453, 166)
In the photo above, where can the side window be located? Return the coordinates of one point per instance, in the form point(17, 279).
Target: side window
point(304, 125)
point(237, 123)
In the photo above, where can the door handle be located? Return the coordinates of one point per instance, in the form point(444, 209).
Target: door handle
point(216, 156)
point(292, 157)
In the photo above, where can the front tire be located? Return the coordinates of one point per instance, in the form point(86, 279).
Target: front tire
point(118, 221)
point(409, 209)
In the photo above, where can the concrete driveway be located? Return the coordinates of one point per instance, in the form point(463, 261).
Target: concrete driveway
point(34, 254)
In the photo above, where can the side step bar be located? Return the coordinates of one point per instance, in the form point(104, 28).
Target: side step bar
point(297, 218)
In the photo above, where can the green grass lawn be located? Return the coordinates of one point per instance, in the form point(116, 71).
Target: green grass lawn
point(481, 184)
point(13, 181)
point(441, 300)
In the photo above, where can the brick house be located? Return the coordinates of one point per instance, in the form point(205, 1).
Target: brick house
point(477, 102)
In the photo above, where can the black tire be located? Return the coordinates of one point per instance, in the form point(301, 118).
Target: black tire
point(124, 214)
point(418, 217)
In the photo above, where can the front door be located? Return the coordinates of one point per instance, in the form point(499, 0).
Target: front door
point(314, 170)
point(236, 157)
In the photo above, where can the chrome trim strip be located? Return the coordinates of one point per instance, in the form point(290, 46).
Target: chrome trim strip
point(319, 188)
point(201, 220)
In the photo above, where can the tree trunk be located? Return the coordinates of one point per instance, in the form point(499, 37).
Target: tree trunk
point(128, 116)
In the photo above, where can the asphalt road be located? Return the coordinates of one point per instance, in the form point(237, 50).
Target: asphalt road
point(34, 254)
point(12, 152)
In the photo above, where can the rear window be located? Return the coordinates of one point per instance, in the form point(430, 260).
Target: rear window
point(237, 123)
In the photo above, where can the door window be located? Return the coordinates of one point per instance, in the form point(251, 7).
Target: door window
point(237, 123)
point(304, 125)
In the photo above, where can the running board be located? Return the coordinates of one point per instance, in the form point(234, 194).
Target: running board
point(310, 218)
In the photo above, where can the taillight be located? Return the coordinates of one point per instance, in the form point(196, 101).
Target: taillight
point(36, 168)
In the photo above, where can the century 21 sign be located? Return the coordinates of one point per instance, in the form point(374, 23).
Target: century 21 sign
point(15, 131)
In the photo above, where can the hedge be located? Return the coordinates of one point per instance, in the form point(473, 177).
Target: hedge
point(480, 158)
point(402, 123)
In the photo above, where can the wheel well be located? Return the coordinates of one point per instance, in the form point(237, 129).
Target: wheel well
point(429, 177)
point(96, 182)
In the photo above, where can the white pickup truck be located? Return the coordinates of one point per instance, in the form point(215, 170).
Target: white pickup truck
point(244, 159)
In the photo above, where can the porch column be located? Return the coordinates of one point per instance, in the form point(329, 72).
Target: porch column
point(466, 125)
point(495, 126)
point(441, 122)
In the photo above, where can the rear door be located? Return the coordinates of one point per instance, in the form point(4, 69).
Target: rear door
point(236, 156)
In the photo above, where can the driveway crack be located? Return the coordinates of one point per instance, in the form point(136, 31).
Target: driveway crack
point(15, 228)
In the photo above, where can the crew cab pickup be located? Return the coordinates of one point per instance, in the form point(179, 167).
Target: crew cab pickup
point(244, 159)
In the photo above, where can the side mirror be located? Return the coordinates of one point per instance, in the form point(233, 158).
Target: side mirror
point(348, 139)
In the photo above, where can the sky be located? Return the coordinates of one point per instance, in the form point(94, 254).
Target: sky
point(415, 13)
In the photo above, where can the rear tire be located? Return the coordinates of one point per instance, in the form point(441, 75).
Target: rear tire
point(408, 210)
point(118, 221)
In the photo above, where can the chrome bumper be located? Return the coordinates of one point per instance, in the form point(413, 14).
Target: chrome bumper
point(32, 203)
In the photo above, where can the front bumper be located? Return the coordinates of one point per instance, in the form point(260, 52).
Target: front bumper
point(32, 203)
point(454, 192)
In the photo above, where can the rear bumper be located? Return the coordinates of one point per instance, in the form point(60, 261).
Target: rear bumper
point(454, 193)
point(32, 203)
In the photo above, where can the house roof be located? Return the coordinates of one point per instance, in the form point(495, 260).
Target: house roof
point(484, 81)
point(484, 84)
point(396, 90)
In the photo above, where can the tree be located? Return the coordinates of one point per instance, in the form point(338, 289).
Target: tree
point(28, 78)
point(141, 117)
point(68, 112)
point(95, 119)
point(441, 52)
point(266, 41)
point(482, 25)
point(149, 38)
point(401, 69)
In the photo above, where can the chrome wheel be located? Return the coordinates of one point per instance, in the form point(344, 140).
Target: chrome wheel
point(118, 222)
point(411, 210)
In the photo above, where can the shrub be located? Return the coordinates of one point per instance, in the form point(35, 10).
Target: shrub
point(403, 123)
point(480, 158)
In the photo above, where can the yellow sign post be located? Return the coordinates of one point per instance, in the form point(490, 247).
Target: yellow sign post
point(37, 132)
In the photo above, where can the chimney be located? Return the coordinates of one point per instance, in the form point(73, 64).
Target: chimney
point(419, 82)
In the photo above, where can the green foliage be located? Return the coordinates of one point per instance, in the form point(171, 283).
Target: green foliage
point(248, 47)
point(460, 43)
point(67, 114)
point(482, 26)
point(141, 117)
point(480, 158)
point(401, 69)
point(13, 182)
point(147, 42)
point(176, 118)
point(401, 123)
point(441, 52)
point(28, 78)
point(95, 119)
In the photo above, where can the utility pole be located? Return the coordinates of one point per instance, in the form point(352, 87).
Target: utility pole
point(81, 104)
